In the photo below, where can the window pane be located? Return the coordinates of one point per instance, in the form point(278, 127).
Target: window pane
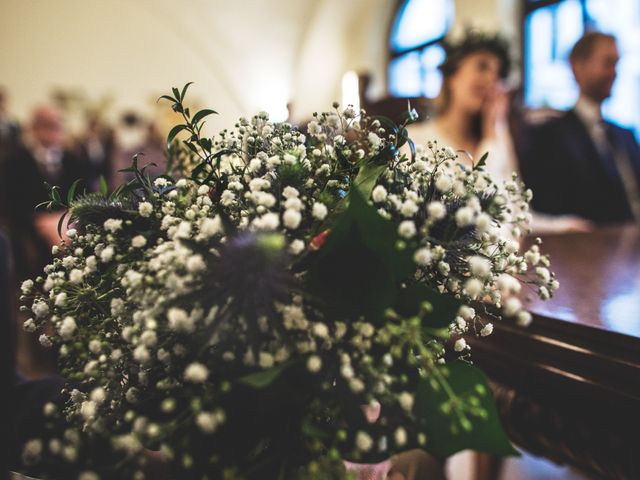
point(405, 75)
point(421, 21)
point(432, 57)
point(622, 18)
point(550, 32)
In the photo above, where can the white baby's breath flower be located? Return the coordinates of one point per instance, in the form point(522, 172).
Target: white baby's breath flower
point(319, 211)
point(67, 328)
point(407, 229)
point(436, 210)
point(227, 198)
point(45, 341)
point(76, 276)
point(486, 330)
point(294, 203)
point(408, 208)
point(512, 306)
point(145, 209)
point(207, 422)
point(464, 216)
point(467, 312)
point(196, 373)
point(291, 219)
point(138, 241)
point(364, 443)
point(40, 309)
point(320, 330)
point(98, 395)
point(374, 140)
point(88, 410)
point(400, 437)
point(405, 399)
point(460, 345)
point(479, 266)
point(346, 371)
point(195, 263)
point(483, 222)
point(508, 284)
point(161, 182)
point(141, 354)
point(314, 363)
point(61, 299)
point(95, 346)
point(107, 254)
point(72, 233)
point(184, 230)
point(29, 325)
point(523, 318)
point(179, 320)
point(113, 225)
point(543, 274)
point(379, 194)
point(26, 287)
point(473, 287)
point(296, 247)
point(444, 183)
point(423, 256)
point(210, 226)
point(290, 192)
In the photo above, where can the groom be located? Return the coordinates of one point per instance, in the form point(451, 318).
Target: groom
point(580, 163)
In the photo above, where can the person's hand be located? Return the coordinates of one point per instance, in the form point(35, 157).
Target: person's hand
point(578, 225)
point(494, 111)
point(46, 224)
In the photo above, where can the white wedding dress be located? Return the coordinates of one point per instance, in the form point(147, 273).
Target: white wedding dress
point(501, 163)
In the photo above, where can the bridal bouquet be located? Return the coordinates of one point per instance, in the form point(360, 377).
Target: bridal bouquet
point(240, 315)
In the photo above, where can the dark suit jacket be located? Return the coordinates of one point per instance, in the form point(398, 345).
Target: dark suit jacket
point(21, 189)
point(561, 165)
point(7, 349)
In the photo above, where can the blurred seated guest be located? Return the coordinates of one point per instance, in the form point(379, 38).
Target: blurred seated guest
point(580, 163)
point(42, 158)
point(137, 136)
point(471, 114)
point(96, 149)
point(9, 128)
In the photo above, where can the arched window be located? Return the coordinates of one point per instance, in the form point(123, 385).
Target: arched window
point(552, 27)
point(416, 35)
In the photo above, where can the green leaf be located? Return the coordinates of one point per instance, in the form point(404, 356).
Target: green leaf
point(184, 90)
point(55, 194)
point(486, 433)
point(359, 268)
point(264, 378)
point(175, 131)
point(482, 162)
point(368, 176)
point(167, 97)
point(104, 189)
point(443, 310)
point(201, 114)
point(176, 94)
point(72, 191)
point(60, 223)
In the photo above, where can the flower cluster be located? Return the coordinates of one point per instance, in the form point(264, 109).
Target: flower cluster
point(238, 319)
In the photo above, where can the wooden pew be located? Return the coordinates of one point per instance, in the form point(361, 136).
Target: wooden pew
point(568, 386)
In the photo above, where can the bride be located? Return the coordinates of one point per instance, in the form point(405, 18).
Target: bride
point(471, 115)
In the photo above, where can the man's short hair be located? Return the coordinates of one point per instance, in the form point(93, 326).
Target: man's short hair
point(584, 47)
